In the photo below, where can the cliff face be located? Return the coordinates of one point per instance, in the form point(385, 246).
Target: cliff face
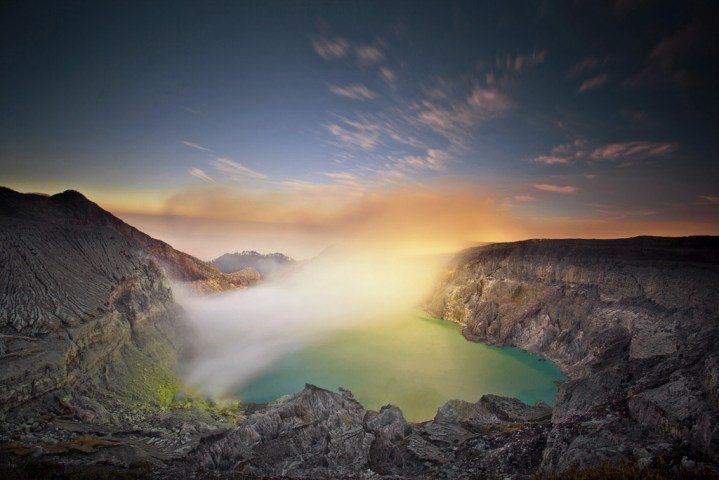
point(634, 323)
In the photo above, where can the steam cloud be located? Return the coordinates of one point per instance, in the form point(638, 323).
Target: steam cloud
point(242, 333)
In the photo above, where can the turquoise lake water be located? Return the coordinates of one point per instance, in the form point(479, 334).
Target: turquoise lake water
point(413, 361)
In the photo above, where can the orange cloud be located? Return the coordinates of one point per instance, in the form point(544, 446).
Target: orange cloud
point(302, 219)
point(563, 189)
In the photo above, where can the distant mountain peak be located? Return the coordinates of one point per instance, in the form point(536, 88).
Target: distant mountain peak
point(265, 263)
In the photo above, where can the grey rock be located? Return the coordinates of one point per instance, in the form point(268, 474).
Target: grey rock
point(633, 323)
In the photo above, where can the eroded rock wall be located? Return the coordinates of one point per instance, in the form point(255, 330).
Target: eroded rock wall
point(634, 323)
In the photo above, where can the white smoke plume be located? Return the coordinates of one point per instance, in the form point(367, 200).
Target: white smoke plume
point(241, 333)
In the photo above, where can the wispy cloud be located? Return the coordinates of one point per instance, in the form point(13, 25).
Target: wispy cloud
point(354, 92)
point(196, 146)
point(524, 198)
point(388, 75)
point(563, 154)
point(593, 83)
point(347, 179)
point(453, 117)
point(620, 213)
point(623, 153)
point(521, 62)
point(368, 55)
point(673, 59)
point(562, 189)
point(632, 151)
point(199, 173)
point(331, 49)
point(236, 169)
point(584, 66)
point(434, 159)
point(713, 199)
point(359, 133)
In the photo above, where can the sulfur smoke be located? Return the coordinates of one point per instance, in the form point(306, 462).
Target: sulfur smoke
point(241, 333)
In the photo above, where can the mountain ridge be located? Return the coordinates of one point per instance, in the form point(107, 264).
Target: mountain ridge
point(74, 207)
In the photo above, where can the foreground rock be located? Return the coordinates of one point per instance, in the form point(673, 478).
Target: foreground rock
point(634, 323)
point(321, 434)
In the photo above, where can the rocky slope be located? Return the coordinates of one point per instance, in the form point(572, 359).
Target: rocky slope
point(634, 323)
point(89, 331)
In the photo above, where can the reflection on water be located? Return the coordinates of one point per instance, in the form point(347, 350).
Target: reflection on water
point(415, 362)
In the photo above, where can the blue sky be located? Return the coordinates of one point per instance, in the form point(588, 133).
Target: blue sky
point(580, 111)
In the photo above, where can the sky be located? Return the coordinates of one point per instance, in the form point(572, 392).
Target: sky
point(421, 127)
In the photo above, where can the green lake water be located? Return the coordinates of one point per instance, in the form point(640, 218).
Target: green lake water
point(413, 361)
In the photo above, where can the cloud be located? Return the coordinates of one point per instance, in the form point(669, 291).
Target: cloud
point(551, 160)
point(434, 160)
point(676, 59)
point(593, 83)
point(713, 199)
point(632, 151)
point(562, 189)
point(521, 62)
point(453, 117)
point(563, 154)
point(196, 172)
point(623, 153)
point(354, 92)
point(368, 55)
point(303, 218)
point(235, 169)
point(398, 219)
point(196, 146)
point(347, 179)
point(388, 75)
point(361, 133)
point(524, 198)
point(331, 49)
point(584, 66)
point(619, 213)
point(337, 48)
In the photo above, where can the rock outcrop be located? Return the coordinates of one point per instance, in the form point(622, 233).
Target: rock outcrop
point(634, 323)
point(321, 434)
